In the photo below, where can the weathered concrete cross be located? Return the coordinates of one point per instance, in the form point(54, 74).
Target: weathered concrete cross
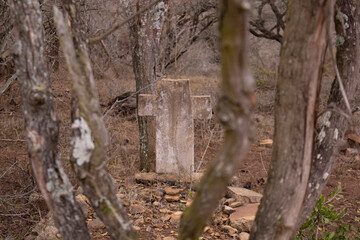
point(174, 110)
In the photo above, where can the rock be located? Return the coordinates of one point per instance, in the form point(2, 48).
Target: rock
point(49, 233)
point(150, 178)
point(156, 203)
point(244, 236)
point(176, 216)
point(136, 209)
point(173, 191)
point(166, 218)
point(228, 210)
point(84, 204)
point(169, 238)
point(139, 221)
point(352, 152)
point(258, 149)
point(172, 198)
point(95, 224)
point(230, 230)
point(244, 195)
point(243, 217)
point(235, 204)
point(229, 201)
point(266, 142)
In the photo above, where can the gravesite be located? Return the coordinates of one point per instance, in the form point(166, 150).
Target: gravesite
point(188, 119)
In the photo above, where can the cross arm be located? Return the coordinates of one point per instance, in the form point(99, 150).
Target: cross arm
point(201, 107)
point(146, 105)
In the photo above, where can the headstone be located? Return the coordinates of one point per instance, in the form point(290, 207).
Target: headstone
point(174, 109)
point(243, 195)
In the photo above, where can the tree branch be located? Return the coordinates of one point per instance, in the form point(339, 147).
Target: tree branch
point(118, 25)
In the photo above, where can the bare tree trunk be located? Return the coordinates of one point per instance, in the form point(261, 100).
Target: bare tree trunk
point(302, 54)
point(234, 110)
point(41, 123)
point(145, 33)
point(90, 137)
point(334, 123)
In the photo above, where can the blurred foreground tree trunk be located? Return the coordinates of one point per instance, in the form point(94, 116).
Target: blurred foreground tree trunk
point(145, 34)
point(233, 111)
point(90, 137)
point(334, 122)
point(41, 123)
point(302, 55)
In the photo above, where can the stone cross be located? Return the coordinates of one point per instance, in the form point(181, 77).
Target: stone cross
point(174, 109)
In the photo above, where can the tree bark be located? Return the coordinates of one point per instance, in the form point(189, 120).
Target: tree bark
point(234, 110)
point(145, 35)
point(333, 123)
point(90, 137)
point(302, 54)
point(42, 126)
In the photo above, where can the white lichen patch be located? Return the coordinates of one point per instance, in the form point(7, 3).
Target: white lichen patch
point(336, 134)
point(37, 141)
point(82, 141)
point(321, 135)
point(325, 176)
point(326, 119)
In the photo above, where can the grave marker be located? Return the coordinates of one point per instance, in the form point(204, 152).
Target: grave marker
point(174, 109)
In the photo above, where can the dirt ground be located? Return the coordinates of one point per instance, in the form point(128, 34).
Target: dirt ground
point(19, 211)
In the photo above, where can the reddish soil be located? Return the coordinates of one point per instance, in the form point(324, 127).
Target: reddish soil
point(18, 214)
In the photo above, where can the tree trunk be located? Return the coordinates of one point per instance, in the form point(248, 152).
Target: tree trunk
point(333, 123)
point(41, 123)
point(90, 137)
point(302, 54)
point(234, 110)
point(145, 35)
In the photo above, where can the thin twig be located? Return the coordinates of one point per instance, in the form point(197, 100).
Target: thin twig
point(7, 170)
point(8, 83)
point(118, 25)
point(131, 95)
point(12, 140)
point(262, 162)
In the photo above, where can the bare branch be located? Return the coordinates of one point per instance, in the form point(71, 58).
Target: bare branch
point(118, 25)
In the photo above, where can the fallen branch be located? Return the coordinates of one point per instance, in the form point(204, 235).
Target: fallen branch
point(8, 83)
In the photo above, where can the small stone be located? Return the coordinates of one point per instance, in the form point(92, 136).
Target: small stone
point(228, 210)
point(173, 191)
point(139, 221)
point(156, 203)
point(165, 218)
point(244, 236)
point(164, 210)
point(136, 209)
point(207, 228)
point(121, 195)
point(235, 204)
point(230, 230)
point(169, 238)
point(243, 218)
point(176, 216)
point(229, 201)
point(172, 198)
point(95, 224)
point(84, 204)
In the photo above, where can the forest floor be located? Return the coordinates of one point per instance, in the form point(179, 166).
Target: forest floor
point(154, 217)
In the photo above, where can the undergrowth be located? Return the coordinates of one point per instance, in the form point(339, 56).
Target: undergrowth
point(326, 223)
